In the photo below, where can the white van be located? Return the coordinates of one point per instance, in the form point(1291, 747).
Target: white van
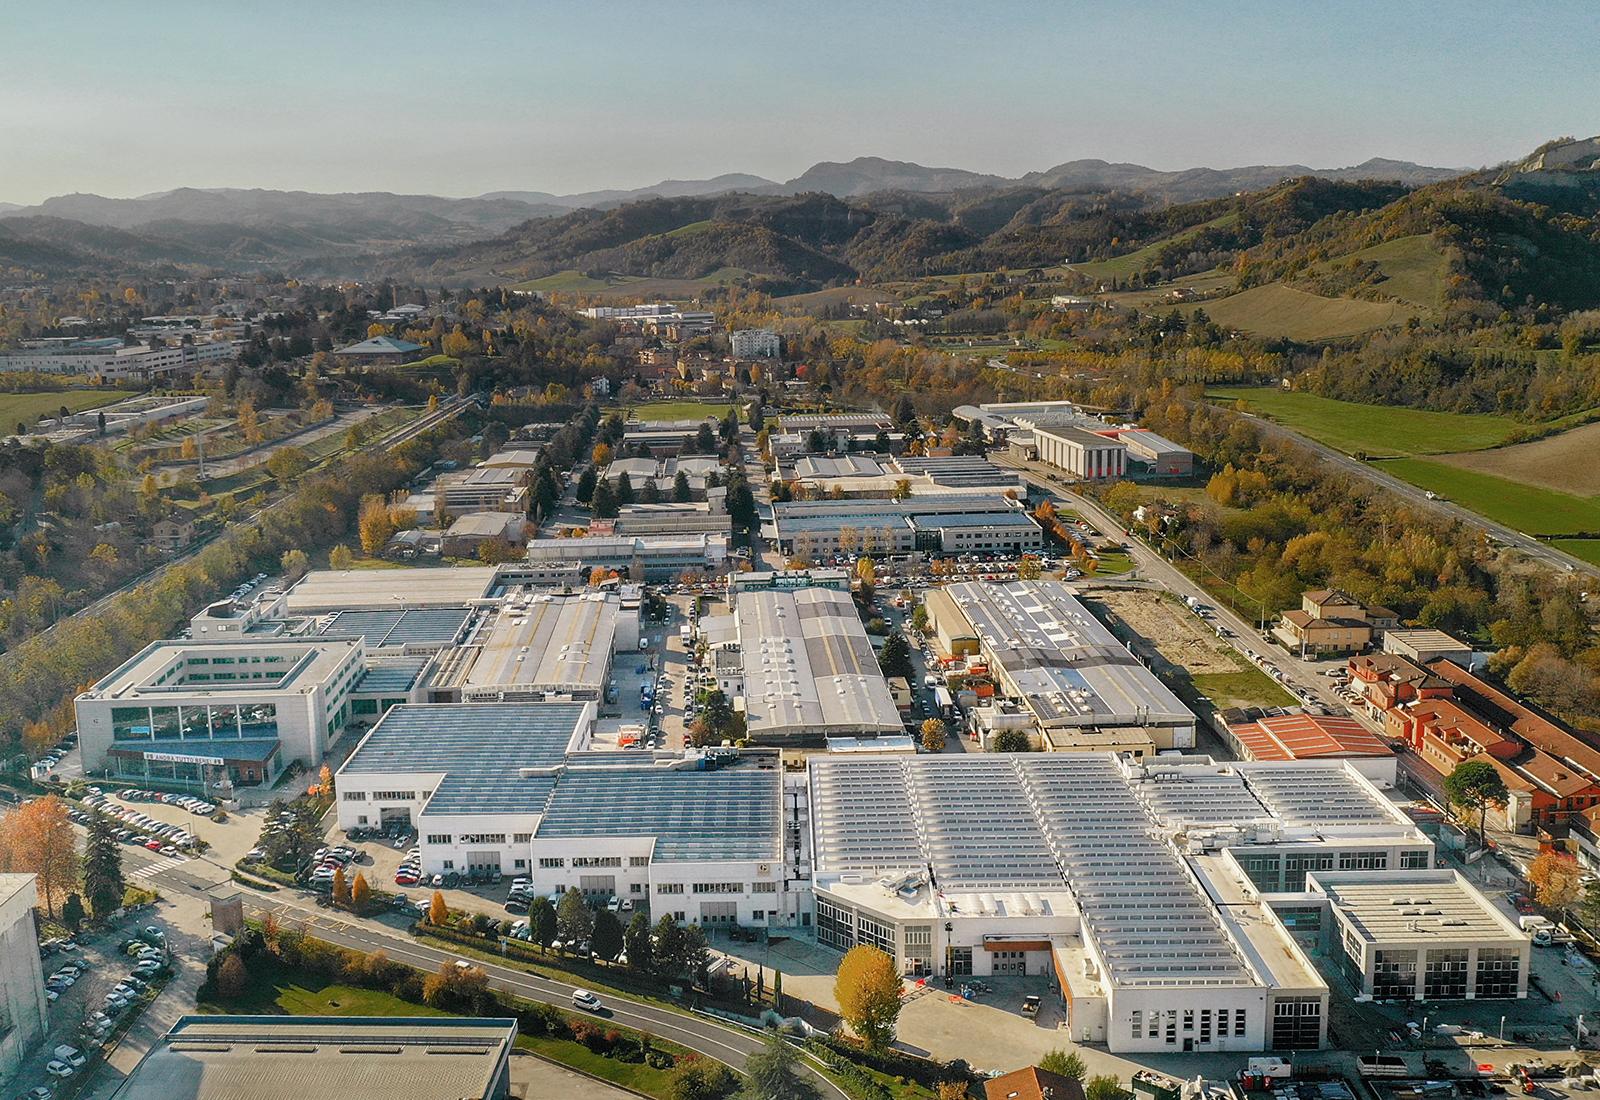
point(582, 998)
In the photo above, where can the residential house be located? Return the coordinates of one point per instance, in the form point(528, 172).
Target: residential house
point(172, 533)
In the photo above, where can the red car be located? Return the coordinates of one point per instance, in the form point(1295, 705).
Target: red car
point(153, 845)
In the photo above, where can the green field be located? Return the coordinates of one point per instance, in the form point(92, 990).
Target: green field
point(1129, 263)
point(1413, 269)
point(632, 286)
point(278, 991)
point(1377, 430)
point(28, 407)
point(1525, 508)
point(1278, 310)
point(680, 410)
point(1584, 549)
point(432, 362)
point(1249, 687)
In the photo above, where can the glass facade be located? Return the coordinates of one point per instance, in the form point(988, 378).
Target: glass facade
point(202, 722)
point(1498, 971)
point(836, 925)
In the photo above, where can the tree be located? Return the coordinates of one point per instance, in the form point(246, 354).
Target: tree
point(636, 942)
point(340, 557)
point(1104, 1086)
point(624, 488)
point(867, 988)
point(895, 658)
point(455, 988)
point(72, 913)
point(294, 564)
point(1557, 881)
point(866, 572)
point(1064, 1063)
point(360, 893)
point(606, 940)
point(1122, 498)
point(586, 485)
point(37, 838)
point(102, 867)
point(680, 487)
point(287, 463)
point(542, 922)
point(697, 1078)
point(669, 947)
point(1028, 568)
point(438, 911)
point(574, 919)
point(774, 1073)
point(603, 501)
point(1011, 741)
point(341, 889)
point(934, 734)
point(374, 525)
point(232, 976)
point(1474, 786)
point(601, 455)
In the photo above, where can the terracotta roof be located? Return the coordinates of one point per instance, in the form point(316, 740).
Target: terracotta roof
point(1306, 737)
point(1446, 716)
point(1500, 708)
point(1397, 669)
point(1032, 1083)
point(1324, 596)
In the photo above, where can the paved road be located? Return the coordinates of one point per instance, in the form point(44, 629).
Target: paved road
point(1540, 551)
point(728, 1044)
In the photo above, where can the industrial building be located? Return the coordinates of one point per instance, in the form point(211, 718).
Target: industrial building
point(515, 788)
point(538, 644)
point(481, 489)
point(350, 1057)
point(642, 557)
point(195, 712)
point(1068, 436)
point(1081, 453)
point(390, 633)
point(943, 523)
point(1315, 737)
point(861, 475)
point(806, 669)
point(1046, 652)
point(1426, 646)
point(22, 997)
point(1420, 936)
point(322, 591)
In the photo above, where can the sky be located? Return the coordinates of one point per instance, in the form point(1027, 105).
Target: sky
point(457, 97)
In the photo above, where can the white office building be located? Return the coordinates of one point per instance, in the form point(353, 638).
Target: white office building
point(190, 713)
point(755, 343)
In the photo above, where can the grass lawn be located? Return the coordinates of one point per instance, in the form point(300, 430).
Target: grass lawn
point(1249, 687)
point(28, 407)
point(1585, 549)
point(680, 410)
point(432, 362)
point(1113, 565)
point(1130, 262)
point(1413, 269)
point(1525, 508)
point(284, 992)
point(1377, 430)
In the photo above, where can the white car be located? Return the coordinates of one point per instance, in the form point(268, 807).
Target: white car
point(582, 998)
point(58, 1068)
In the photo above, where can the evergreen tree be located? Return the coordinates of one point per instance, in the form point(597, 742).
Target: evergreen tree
point(680, 487)
point(895, 660)
point(608, 936)
point(102, 867)
point(542, 922)
point(775, 1073)
point(574, 921)
point(586, 485)
point(604, 502)
point(636, 942)
point(624, 489)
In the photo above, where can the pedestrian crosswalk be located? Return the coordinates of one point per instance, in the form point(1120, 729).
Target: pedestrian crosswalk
point(157, 867)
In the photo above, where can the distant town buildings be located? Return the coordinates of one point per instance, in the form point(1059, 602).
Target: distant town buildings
point(755, 343)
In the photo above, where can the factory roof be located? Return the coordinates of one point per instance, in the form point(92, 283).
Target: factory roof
point(517, 458)
point(383, 629)
point(808, 664)
point(805, 422)
point(1082, 436)
point(829, 466)
point(325, 590)
point(1305, 736)
point(508, 525)
point(959, 470)
point(1001, 517)
point(380, 345)
point(1064, 663)
point(637, 469)
point(543, 641)
point(1430, 906)
point(391, 677)
point(486, 757)
point(693, 815)
point(351, 1057)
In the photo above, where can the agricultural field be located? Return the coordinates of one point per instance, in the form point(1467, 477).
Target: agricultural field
point(1526, 508)
point(1130, 263)
point(1204, 284)
point(631, 286)
point(1413, 269)
point(1375, 430)
point(1276, 310)
point(1564, 463)
point(678, 410)
point(27, 408)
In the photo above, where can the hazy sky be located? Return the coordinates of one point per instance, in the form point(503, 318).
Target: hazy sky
point(457, 97)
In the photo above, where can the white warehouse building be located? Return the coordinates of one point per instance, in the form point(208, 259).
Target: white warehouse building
point(1081, 453)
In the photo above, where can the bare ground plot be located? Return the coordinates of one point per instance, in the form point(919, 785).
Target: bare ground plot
point(1177, 635)
point(1567, 463)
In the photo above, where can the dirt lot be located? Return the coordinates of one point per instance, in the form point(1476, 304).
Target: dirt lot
point(1561, 462)
point(1179, 636)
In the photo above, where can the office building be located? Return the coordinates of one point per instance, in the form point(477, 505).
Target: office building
point(348, 1057)
point(322, 591)
point(194, 712)
point(641, 557)
point(22, 1000)
point(755, 343)
point(938, 524)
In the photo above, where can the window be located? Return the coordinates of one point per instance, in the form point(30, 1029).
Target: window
point(552, 861)
point(362, 820)
point(635, 888)
point(1413, 861)
point(718, 888)
point(522, 838)
point(1238, 1021)
point(1138, 1023)
point(669, 887)
point(394, 796)
point(440, 838)
point(449, 864)
point(519, 864)
point(483, 838)
point(836, 927)
point(638, 861)
point(763, 887)
point(355, 796)
point(1363, 861)
point(597, 861)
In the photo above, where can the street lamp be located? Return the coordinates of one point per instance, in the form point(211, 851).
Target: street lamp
point(1502, 1029)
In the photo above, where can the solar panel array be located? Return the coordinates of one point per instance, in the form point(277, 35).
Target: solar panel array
point(480, 749)
point(1176, 799)
point(1316, 796)
point(397, 676)
point(978, 829)
point(1143, 909)
point(693, 815)
point(380, 629)
point(861, 816)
